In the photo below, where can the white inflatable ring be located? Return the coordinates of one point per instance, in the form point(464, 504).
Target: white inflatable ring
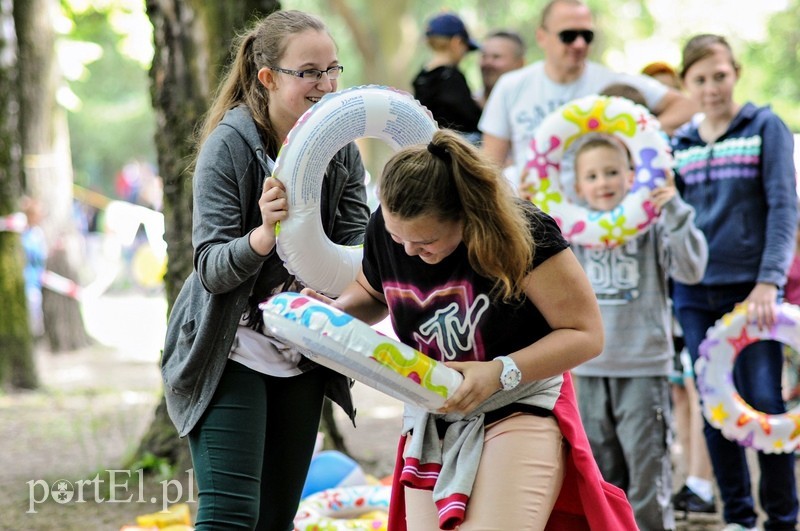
point(343, 343)
point(723, 407)
point(336, 120)
point(641, 133)
point(340, 508)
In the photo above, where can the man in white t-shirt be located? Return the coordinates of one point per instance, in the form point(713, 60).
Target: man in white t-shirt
point(522, 98)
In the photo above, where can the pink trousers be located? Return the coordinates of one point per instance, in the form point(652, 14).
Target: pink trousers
point(519, 478)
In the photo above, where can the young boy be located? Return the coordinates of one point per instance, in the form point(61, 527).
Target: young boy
point(624, 394)
point(440, 86)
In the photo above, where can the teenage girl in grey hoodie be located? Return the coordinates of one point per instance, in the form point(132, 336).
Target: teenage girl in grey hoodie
point(250, 405)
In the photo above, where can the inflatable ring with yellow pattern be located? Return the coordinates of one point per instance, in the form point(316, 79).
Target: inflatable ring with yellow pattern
point(641, 133)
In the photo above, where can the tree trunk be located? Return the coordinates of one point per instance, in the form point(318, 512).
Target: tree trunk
point(16, 343)
point(387, 48)
point(64, 328)
point(47, 162)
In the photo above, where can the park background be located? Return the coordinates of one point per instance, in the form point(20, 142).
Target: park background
point(90, 403)
point(106, 49)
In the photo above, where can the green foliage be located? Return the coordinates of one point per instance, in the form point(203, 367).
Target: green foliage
point(769, 72)
point(151, 464)
point(114, 122)
point(619, 23)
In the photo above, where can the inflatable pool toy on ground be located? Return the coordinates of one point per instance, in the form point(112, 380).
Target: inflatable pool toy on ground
point(723, 407)
point(641, 133)
point(331, 468)
point(343, 343)
point(347, 508)
point(336, 120)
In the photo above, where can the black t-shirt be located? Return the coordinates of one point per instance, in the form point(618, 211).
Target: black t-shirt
point(444, 310)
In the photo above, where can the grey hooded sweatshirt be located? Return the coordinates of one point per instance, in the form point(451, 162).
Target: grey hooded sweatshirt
point(631, 285)
point(228, 179)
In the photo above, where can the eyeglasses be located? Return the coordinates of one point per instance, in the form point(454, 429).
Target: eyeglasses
point(568, 36)
point(312, 75)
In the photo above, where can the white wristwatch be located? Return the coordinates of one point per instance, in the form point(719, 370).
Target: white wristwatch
point(511, 375)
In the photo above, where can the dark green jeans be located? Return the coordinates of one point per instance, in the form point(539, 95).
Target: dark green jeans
point(252, 448)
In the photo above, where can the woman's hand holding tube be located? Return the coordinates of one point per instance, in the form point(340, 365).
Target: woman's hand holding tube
point(274, 208)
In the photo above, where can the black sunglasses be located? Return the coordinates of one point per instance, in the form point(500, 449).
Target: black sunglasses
point(569, 36)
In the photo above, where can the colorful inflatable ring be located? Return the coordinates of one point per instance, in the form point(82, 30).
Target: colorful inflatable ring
point(639, 130)
point(336, 120)
point(723, 407)
point(346, 508)
point(343, 343)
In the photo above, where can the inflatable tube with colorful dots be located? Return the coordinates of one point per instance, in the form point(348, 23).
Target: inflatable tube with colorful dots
point(346, 508)
point(639, 130)
point(336, 120)
point(723, 407)
point(343, 343)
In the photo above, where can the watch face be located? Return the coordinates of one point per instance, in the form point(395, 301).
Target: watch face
point(510, 378)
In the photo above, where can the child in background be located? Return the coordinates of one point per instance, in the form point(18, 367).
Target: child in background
point(440, 86)
point(697, 493)
point(624, 396)
point(35, 245)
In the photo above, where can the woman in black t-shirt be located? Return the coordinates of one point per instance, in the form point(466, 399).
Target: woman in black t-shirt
point(486, 283)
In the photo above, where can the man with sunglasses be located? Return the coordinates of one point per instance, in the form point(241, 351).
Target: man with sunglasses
point(521, 99)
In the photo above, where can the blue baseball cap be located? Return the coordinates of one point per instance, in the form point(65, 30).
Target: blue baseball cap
point(449, 25)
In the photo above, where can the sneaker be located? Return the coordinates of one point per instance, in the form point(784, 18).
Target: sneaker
point(738, 527)
point(686, 501)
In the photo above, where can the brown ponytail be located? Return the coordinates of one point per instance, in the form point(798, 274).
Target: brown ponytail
point(450, 179)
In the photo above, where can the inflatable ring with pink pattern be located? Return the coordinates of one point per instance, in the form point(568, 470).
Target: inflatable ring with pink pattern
point(345, 508)
point(641, 133)
point(723, 407)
